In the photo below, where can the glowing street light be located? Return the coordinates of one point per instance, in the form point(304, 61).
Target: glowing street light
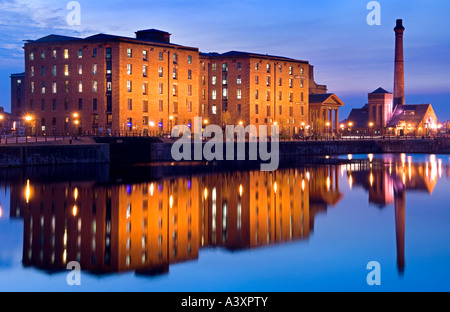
point(28, 118)
point(241, 123)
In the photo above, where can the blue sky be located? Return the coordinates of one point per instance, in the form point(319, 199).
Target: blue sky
point(349, 56)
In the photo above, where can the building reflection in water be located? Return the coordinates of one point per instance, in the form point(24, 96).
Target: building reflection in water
point(145, 227)
point(387, 180)
point(148, 226)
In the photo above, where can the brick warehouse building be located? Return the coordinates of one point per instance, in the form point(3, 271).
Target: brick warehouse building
point(106, 83)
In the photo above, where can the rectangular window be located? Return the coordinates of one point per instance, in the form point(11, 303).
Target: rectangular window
point(239, 66)
point(280, 68)
point(280, 96)
point(94, 52)
point(43, 55)
point(94, 104)
point(94, 69)
point(174, 90)
point(129, 104)
point(43, 71)
point(301, 110)
point(31, 56)
point(43, 104)
point(160, 88)
point(54, 104)
point(239, 109)
point(144, 55)
point(144, 71)
point(301, 83)
point(80, 53)
point(280, 82)
point(145, 106)
point(32, 71)
point(43, 124)
point(108, 68)
point(144, 88)
point(268, 68)
point(80, 86)
point(129, 52)
point(256, 66)
point(256, 109)
point(94, 86)
point(31, 105)
point(66, 54)
point(224, 93)
point(174, 75)
point(301, 97)
point(80, 69)
point(66, 70)
point(66, 104)
point(290, 83)
point(268, 81)
point(301, 71)
point(189, 59)
point(189, 74)
point(239, 80)
point(291, 97)
point(291, 111)
point(224, 79)
point(32, 87)
point(66, 86)
point(224, 67)
point(189, 106)
point(54, 87)
point(175, 107)
point(203, 80)
point(43, 88)
point(161, 56)
point(189, 90)
point(128, 85)
point(108, 53)
point(175, 58)
point(108, 85)
point(268, 95)
point(256, 80)
point(160, 105)
point(80, 104)
point(280, 110)
point(256, 94)
point(203, 65)
point(291, 70)
point(54, 70)
point(214, 109)
point(128, 69)
point(214, 66)
point(239, 94)
point(160, 71)
point(213, 80)
point(214, 95)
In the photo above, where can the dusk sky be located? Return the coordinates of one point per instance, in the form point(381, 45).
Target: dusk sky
point(349, 56)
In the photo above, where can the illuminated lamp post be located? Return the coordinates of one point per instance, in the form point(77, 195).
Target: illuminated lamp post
point(371, 128)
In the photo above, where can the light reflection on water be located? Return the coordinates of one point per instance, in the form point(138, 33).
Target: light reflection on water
point(148, 228)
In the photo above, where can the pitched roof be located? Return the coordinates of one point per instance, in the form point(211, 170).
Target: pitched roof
point(250, 54)
point(359, 117)
point(320, 98)
point(380, 90)
point(56, 38)
point(411, 114)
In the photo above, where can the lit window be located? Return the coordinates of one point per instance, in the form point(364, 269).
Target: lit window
point(189, 59)
point(291, 70)
point(129, 85)
point(80, 86)
point(161, 56)
point(32, 71)
point(128, 69)
point(129, 52)
point(214, 94)
point(239, 94)
point(80, 69)
point(43, 88)
point(94, 69)
point(214, 109)
point(160, 72)
point(54, 87)
point(54, 71)
point(94, 86)
point(256, 66)
point(144, 70)
point(214, 79)
point(144, 55)
point(66, 53)
point(239, 80)
point(54, 54)
point(31, 56)
point(43, 55)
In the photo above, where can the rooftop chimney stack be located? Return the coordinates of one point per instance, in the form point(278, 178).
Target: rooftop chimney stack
point(399, 71)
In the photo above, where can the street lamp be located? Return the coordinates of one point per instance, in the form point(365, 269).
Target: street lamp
point(328, 129)
point(28, 119)
point(370, 128)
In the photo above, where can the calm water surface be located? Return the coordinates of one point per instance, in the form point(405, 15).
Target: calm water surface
point(307, 228)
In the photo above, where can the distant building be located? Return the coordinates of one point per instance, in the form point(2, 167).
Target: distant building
point(5, 121)
point(17, 95)
point(387, 113)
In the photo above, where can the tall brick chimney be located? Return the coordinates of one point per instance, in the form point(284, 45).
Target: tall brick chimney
point(399, 71)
